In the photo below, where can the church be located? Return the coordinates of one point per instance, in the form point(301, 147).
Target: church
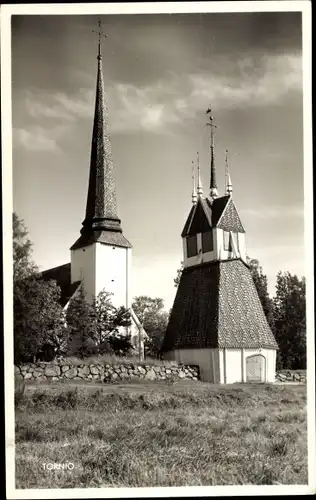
point(101, 257)
point(217, 321)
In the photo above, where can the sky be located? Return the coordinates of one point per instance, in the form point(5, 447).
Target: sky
point(161, 73)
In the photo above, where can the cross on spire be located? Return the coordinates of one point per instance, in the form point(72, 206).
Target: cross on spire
point(100, 34)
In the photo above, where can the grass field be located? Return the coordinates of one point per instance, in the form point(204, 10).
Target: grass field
point(154, 434)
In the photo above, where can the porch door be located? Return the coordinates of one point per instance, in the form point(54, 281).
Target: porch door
point(255, 368)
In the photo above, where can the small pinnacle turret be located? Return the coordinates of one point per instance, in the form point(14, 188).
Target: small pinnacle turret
point(194, 195)
point(228, 182)
point(199, 186)
point(213, 184)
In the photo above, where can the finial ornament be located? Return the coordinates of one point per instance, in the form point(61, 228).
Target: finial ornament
point(213, 185)
point(228, 182)
point(99, 33)
point(199, 186)
point(194, 195)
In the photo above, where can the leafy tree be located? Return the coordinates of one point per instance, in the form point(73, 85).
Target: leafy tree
point(261, 284)
point(154, 319)
point(290, 321)
point(23, 266)
point(38, 316)
point(81, 326)
point(38, 319)
point(176, 280)
point(109, 323)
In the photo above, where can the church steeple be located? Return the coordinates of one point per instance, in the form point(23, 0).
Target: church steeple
point(213, 184)
point(101, 209)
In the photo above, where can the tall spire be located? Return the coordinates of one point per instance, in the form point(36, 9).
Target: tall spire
point(228, 182)
point(101, 209)
point(199, 186)
point(213, 185)
point(194, 195)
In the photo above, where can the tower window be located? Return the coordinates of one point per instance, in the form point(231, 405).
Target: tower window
point(235, 235)
point(191, 246)
point(227, 241)
point(207, 241)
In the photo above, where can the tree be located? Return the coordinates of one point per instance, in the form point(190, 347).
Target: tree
point(81, 326)
point(23, 266)
point(38, 319)
point(38, 316)
point(261, 283)
point(290, 321)
point(176, 280)
point(109, 323)
point(154, 319)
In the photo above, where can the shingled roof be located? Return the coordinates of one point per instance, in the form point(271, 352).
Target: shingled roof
point(101, 221)
point(62, 275)
point(217, 306)
point(222, 213)
point(107, 237)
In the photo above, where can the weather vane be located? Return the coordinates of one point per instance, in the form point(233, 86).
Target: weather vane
point(99, 33)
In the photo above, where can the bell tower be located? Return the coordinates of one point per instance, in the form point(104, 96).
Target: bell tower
point(217, 321)
point(101, 256)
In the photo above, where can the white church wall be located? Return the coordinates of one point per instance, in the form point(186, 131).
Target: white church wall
point(242, 246)
point(83, 265)
point(112, 266)
point(206, 359)
point(224, 366)
point(233, 362)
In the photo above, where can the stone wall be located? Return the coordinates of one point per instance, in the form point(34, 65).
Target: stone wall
point(291, 376)
point(115, 373)
point(105, 373)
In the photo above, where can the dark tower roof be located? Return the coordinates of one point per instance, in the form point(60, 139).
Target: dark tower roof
point(217, 306)
point(221, 213)
point(101, 222)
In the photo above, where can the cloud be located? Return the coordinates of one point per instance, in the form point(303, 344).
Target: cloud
point(35, 139)
point(171, 101)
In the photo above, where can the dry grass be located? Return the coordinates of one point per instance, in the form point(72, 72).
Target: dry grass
point(158, 435)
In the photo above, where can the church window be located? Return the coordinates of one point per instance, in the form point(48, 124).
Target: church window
point(235, 236)
point(191, 246)
point(207, 241)
point(227, 241)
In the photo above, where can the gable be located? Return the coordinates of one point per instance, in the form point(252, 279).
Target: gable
point(199, 220)
point(230, 220)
